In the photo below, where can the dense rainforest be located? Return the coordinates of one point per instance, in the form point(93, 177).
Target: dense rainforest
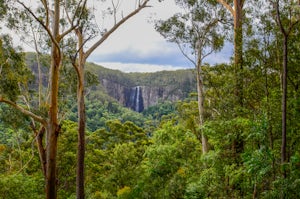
point(72, 129)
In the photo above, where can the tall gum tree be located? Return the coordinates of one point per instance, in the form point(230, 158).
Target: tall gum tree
point(197, 34)
point(83, 34)
point(235, 7)
point(48, 15)
point(287, 16)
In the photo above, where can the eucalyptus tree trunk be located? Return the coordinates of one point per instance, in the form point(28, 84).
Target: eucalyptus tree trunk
point(200, 92)
point(81, 119)
point(284, 99)
point(238, 49)
point(237, 13)
point(79, 66)
point(285, 31)
point(53, 126)
point(285, 35)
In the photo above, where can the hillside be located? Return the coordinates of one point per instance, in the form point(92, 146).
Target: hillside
point(137, 91)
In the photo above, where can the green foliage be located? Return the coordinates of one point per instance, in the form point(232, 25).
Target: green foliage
point(197, 30)
point(3, 9)
point(67, 158)
point(167, 163)
point(157, 153)
point(18, 186)
point(114, 155)
point(159, 110)
point(99, 111)
point(14, 75)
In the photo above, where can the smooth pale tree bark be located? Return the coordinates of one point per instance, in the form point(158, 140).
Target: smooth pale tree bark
point(200, 92)
point(79, 65)
point(51, 23)
point(52, 126)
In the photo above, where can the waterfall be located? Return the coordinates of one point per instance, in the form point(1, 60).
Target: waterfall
point(137, 99)
point(134, 98)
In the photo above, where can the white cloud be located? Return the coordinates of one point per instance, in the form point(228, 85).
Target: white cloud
point(136, 41)
point(138, 33)
point(134, 67)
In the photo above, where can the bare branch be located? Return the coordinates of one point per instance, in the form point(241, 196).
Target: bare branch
point(292, 26)
point(39, 134)
point(207, 54)
point(115, 27)
point(82, 45)
point(67, 13)
point(114, 12)
point(41, 23)
point(73, 27)
point(75, 66)
point(185, 54)
point(45, 4)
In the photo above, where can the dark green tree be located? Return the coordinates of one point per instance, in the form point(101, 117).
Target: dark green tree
point(287, 18)
point(197, 33)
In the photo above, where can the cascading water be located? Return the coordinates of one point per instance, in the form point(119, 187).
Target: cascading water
point(137, 99)
point(134, 98)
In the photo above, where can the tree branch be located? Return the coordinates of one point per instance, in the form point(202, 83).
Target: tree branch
point(2, 64)
point(227, 6)
point(45, 3)
point(279, 22)
point(185, 54)
point(39, 140)
point(24, 111)
point(73, 19)
point(41, 23)
point(115, 27)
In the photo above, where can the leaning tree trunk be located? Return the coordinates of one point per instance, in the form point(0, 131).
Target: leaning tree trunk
point(81, 119)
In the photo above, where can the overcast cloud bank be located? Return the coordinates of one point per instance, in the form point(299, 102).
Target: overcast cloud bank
point(136, 67)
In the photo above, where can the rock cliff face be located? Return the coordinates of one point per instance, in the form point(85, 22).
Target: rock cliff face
point(137, 91)
point(152, 89)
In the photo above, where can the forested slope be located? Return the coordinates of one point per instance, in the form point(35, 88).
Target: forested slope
point(248, 113)
point(158, 154)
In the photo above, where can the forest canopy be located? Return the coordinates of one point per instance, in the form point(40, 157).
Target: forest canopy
point(235, 136)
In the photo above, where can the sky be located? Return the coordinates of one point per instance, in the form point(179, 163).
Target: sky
point(137, 47)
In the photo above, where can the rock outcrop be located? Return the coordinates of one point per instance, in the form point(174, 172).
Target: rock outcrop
point(143, 95)
point(137, 91)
